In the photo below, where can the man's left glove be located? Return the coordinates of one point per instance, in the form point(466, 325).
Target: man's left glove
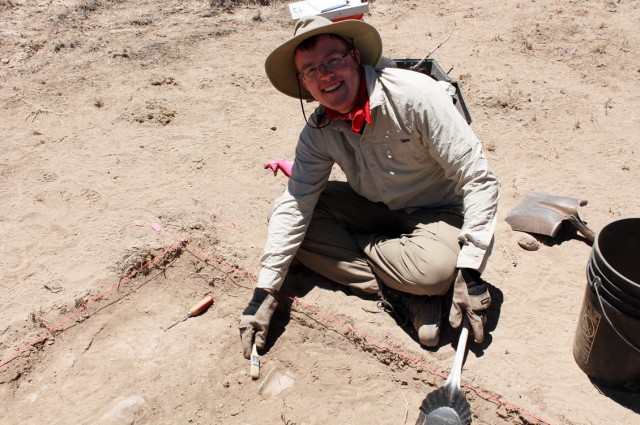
point(255, 320)
point(470, 297)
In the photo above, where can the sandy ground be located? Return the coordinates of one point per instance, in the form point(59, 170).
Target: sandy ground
point(132, 185)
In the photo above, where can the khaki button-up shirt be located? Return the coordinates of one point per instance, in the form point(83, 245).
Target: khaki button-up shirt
point(419, 152)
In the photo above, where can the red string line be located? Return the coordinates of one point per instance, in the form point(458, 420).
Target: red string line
point(482, 394)
point(69, 317)
point(485, 395)
point(368, 338)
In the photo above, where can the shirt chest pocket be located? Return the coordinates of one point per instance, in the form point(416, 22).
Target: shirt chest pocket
point(400, 149)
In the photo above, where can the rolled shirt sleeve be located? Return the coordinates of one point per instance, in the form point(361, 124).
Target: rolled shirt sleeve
point(292, 211)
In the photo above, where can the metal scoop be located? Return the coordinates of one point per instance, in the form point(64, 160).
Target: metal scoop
point(448, 405)
point(543, 214)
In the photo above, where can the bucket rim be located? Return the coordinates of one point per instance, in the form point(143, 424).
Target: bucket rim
point(600, 257)
point(594, 269)
point(611, 297)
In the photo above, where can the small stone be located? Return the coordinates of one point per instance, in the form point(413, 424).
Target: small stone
point(274, 383)
point(123, 410)
point(529, 243)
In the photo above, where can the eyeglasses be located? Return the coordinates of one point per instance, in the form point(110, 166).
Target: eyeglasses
point(330, 64)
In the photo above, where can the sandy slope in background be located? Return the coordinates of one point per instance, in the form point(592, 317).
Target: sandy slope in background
point(118, 116)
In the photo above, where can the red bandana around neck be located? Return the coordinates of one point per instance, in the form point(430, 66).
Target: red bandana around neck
point(360, 114)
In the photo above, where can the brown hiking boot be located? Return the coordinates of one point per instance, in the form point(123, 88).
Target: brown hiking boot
point(425, 314)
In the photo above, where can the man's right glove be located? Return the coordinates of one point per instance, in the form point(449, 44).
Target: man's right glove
point(255, 320)
point(470, 297)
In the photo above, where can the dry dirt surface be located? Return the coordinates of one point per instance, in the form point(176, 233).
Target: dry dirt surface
point(134, 135)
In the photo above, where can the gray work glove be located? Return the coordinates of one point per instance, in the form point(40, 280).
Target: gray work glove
point(255, 320)
point(470, 297)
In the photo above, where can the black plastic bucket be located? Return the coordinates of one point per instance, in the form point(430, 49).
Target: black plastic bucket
point(613, 294)
point(607, 341)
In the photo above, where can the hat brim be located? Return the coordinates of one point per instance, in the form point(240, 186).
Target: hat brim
point(280, 66)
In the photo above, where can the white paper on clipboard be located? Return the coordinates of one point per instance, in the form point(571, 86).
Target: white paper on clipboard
point(352, 8)
point(327, 5)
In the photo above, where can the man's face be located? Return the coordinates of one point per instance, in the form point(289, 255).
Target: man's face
point(336, 89)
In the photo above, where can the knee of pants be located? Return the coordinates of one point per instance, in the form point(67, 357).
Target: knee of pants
point(432, 280)
point(423, 270)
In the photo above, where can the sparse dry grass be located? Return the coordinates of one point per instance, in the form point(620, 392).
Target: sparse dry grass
point(513, 99)
point(91, 5)
point(6, 4)
point(37, 317)
point(88, 5)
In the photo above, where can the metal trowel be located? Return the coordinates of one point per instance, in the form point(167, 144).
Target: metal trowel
point(543, 214)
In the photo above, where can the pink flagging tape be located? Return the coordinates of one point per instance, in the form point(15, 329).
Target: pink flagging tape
point(155, 226)
point(228, 222)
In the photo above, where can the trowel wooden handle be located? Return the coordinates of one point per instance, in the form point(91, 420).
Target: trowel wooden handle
point(582, 228)
point(255, 363)
point(201, 306)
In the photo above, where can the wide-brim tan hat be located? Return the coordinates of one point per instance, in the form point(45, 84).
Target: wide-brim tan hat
point(281, 68)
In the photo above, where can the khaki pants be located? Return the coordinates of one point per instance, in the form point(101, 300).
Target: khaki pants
point(355, 242)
